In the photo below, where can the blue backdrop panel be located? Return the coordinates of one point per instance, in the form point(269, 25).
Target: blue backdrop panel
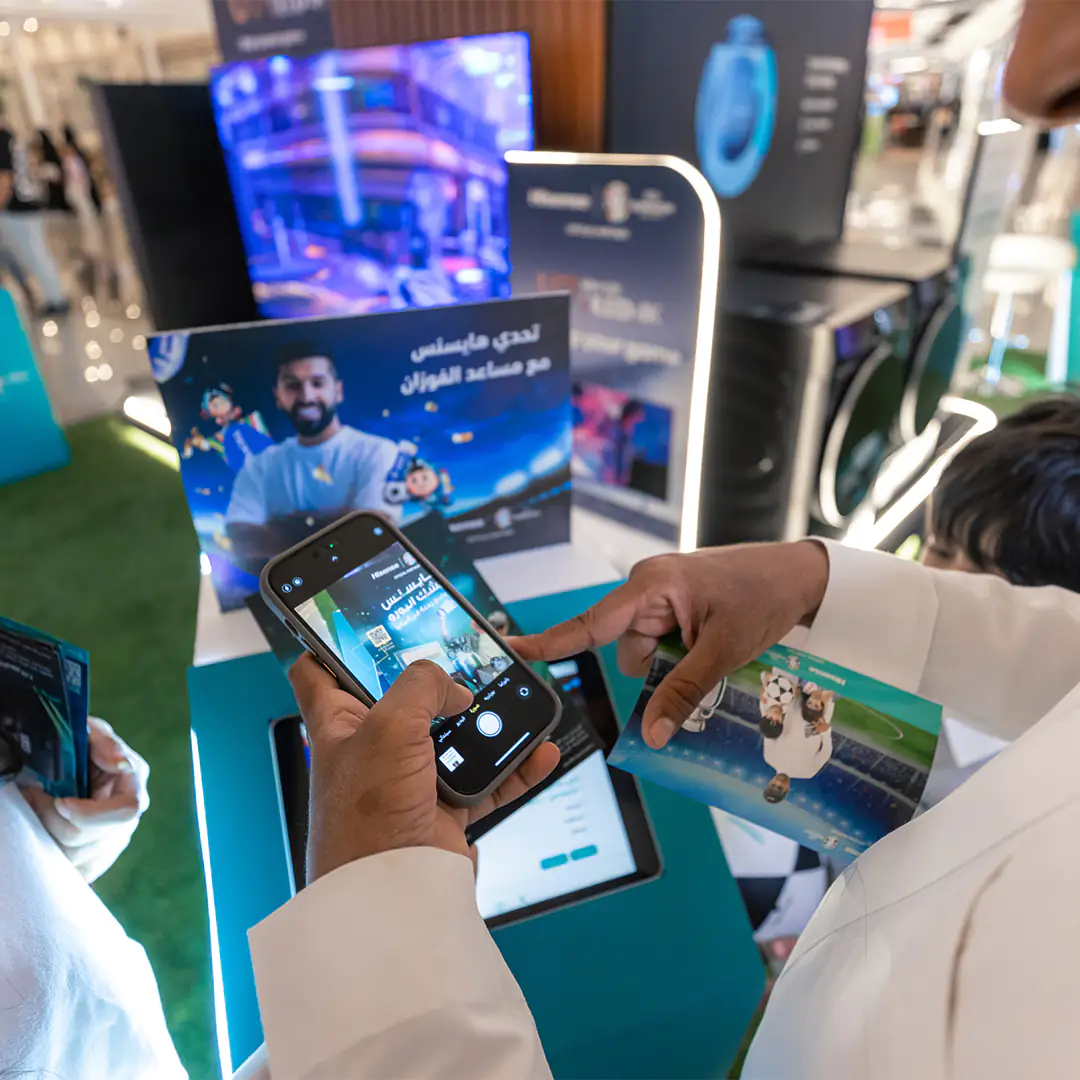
point(658, 980)
point(31, 441)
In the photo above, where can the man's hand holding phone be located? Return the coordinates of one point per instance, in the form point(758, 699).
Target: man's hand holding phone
point(373, 773)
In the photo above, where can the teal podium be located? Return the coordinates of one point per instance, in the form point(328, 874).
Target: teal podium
point(658, 980)
point(31, 441)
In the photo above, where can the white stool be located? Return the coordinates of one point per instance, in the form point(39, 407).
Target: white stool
point(1022, 265)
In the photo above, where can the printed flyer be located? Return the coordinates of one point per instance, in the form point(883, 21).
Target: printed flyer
point(808, 749)
point(44, 702)
point(283, 427)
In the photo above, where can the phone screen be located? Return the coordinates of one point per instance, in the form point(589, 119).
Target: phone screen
point(389, 611)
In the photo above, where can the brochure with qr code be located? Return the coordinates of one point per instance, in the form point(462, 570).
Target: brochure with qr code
point(44, 702)
point(808, 749)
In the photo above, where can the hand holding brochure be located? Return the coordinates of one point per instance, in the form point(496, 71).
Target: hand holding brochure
point(44, 702)
point(808, 749)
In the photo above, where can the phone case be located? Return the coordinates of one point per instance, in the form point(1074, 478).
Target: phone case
point(327, 658)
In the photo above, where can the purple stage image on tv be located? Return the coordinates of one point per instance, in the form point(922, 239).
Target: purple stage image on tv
point(373, 179)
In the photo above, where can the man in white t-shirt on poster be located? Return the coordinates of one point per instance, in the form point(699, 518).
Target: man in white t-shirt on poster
point(327, 469)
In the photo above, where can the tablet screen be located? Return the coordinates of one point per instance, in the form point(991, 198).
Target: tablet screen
point(567, 839)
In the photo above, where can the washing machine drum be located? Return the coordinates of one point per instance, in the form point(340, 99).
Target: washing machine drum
point(936, 354)
point(860, 436)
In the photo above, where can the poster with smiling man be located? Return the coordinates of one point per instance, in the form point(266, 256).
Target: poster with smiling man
point(282, 427)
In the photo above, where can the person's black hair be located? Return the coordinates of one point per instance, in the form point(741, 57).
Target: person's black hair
point(770, 728)
point(303, 350)
point(1010, 500)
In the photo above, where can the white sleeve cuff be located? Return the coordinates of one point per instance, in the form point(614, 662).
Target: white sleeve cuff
point(370, 947)
point(877, 618)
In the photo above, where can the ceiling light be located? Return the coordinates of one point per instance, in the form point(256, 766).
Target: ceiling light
point(30, 25)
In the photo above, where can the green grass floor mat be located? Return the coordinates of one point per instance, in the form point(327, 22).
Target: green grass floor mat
point(1025, 372)
point(102, 553)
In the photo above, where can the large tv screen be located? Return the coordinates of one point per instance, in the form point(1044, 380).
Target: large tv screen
point(373, 179)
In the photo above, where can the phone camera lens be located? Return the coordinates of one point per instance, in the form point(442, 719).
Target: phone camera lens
point(333, 558)
point(286, 587)
point(377, 531)
point(297, 581)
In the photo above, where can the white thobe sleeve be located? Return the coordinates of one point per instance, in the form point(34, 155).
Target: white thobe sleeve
point(385, 969)
point(1003, 656)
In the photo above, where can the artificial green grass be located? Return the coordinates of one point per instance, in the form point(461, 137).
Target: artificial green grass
point(1024, 369)
point(102, 554)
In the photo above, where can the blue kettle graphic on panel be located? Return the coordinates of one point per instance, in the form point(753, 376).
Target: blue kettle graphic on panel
point(736, 107)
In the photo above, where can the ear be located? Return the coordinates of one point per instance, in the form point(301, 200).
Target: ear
point(339, 392)
point(764, 679)
point(829, 696)
point(277, 399)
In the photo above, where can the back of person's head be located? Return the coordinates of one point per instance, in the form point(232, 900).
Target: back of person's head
point(1009, 502)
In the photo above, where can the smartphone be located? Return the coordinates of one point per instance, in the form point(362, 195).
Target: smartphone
point(367, 603)
point(292, 760)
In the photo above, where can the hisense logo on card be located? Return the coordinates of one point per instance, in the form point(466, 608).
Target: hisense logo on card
point(545, 199)
point(829, 675)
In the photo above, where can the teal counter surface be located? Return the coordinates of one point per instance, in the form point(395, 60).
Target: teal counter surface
point(659, 980)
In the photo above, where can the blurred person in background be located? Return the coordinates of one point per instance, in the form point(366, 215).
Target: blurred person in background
point(71, 143)
point(85, 201)
point(22, 220)
point(12, 273)
point(50, 174)
point(1009, 502)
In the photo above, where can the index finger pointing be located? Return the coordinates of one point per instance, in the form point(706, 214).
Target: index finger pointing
point(599, 625)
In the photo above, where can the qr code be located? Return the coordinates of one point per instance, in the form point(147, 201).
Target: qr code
point(73, 674)
point(378, 636)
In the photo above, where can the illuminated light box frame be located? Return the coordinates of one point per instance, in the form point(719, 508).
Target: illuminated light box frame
point(538, 245)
